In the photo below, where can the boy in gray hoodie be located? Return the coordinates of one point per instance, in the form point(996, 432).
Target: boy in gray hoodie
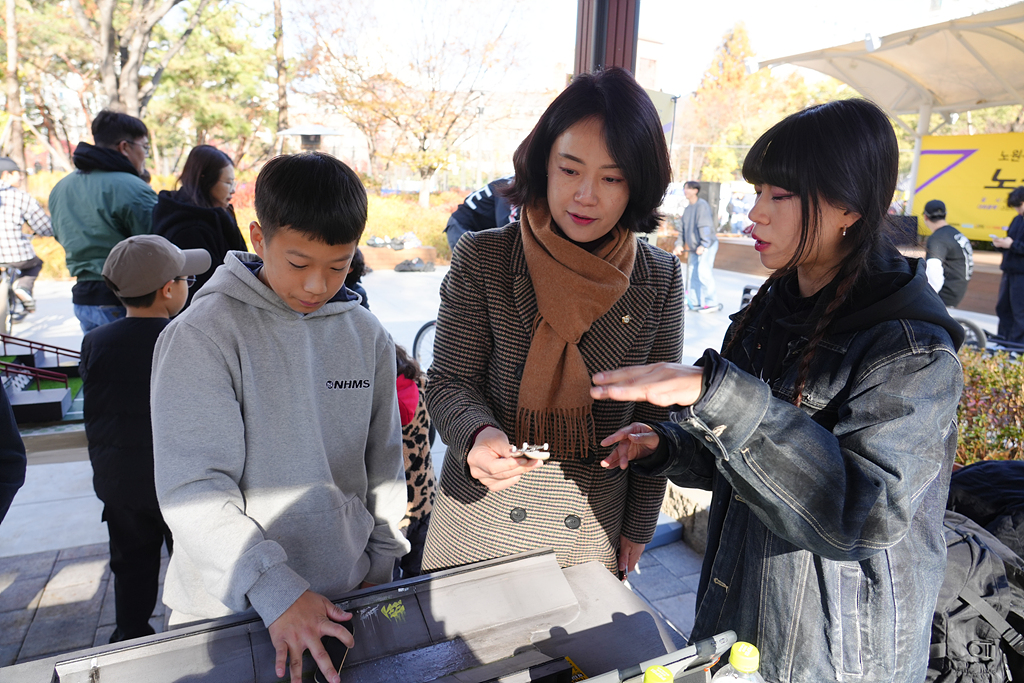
point(277, 440)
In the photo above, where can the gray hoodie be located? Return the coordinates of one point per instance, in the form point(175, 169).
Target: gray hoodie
point(277, 449)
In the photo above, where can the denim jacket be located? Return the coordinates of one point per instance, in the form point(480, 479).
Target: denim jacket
point(825, 545)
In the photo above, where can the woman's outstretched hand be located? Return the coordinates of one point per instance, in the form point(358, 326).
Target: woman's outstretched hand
point(634, 442)
point(662, 384)
point(491, 463)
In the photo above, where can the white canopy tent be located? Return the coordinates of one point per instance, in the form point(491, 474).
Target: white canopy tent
point(956, 66)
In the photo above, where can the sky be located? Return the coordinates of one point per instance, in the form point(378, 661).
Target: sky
point(688, 30)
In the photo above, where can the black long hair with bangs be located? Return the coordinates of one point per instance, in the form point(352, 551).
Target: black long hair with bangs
point(201, 172)
point(844, 154)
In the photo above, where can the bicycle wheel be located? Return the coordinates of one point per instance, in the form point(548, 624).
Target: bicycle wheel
point(973, 334)
point(423, 345)
point(6, 304)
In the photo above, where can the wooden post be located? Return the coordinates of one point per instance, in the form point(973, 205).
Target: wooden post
point(606, 34)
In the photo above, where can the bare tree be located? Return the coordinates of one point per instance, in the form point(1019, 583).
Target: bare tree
point(282, 69)
point(121, 52)
point(416, 105)
point(14, 108)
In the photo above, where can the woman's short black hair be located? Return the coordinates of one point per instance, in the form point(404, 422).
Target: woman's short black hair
point(843, 153)
point(314, 194)
point(201, 172)
point(1016, 197)
point(632, 132)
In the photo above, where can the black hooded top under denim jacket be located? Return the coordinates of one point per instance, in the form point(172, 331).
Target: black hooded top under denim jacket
point(825, 545)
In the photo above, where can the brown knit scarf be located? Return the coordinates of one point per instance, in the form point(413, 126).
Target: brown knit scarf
point(573, 288)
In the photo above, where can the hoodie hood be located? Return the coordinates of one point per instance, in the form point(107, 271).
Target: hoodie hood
point(91, 158)
point(898, 289)
point(174, 209)
point(238, 280)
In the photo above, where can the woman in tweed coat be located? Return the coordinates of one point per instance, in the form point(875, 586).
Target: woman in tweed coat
point(528, 313)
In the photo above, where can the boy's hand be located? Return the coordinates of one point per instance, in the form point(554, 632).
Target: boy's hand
point(491, 463)
point(301, 627)
point(633, 442)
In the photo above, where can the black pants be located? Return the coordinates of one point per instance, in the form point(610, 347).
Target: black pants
point(409, 564)
point(29, 272)
point(1010, 307)
point(136, 537)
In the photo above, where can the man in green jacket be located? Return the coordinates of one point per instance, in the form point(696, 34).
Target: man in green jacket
point(103, 202)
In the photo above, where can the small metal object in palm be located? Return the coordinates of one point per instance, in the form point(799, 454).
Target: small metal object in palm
point(532, 451)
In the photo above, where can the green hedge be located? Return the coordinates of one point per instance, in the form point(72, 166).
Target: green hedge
point(991, 411)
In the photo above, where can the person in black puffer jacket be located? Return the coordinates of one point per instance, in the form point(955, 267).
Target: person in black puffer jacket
point(199, 215)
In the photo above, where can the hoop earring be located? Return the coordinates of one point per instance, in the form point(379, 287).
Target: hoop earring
point(844, 232)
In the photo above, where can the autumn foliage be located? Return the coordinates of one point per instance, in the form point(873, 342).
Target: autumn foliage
point(991, 412)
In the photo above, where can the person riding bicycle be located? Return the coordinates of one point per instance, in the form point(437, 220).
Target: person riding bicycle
point(17, 208)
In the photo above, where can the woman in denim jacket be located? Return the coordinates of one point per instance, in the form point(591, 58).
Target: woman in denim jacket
point(825, 428)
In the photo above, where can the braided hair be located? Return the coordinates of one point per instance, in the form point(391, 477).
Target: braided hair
point(843, 154)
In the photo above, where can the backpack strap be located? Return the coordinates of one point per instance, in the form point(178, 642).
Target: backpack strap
point(1012, 636)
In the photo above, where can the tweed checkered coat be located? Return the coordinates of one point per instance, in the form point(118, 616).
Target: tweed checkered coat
point(483, 335)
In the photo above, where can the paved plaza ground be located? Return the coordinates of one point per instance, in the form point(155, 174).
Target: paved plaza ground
point(56, 592)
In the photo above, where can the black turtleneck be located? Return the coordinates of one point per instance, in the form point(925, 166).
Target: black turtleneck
point(589, 247)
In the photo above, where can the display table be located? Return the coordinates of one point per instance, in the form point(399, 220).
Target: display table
point(478, 623)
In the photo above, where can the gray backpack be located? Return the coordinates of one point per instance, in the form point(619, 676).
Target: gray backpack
point(978, 625)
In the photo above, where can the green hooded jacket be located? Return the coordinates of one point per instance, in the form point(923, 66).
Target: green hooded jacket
point(93, 209)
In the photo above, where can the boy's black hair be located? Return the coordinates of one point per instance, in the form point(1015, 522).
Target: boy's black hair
point(1016, 198)
point(144, 301)
point(632, 133)
point(692, 184)
point(314, 194)
point(110, 127)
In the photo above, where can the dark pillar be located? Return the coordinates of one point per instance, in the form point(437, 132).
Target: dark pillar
point(606, 34)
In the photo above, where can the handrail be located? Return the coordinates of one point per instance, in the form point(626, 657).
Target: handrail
point(36, 374)
point(33, 346)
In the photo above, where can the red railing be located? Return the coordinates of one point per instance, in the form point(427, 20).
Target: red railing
point(34, 346)
point(35, 373)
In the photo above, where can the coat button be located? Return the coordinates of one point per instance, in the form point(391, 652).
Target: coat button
point(572, 522)
point(517, 514)
point(626, 320)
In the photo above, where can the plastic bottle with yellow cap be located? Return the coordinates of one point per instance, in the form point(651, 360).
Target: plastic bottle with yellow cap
point(744, 660)
point(658, 674)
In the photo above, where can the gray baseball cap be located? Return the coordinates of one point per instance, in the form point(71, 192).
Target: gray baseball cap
point(144, 263)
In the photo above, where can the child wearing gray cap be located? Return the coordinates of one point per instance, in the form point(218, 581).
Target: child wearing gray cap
point(151, 277)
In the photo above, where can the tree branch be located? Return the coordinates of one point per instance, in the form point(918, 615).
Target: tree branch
point(147, 93)
point(153, 16)
point(87, 25)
